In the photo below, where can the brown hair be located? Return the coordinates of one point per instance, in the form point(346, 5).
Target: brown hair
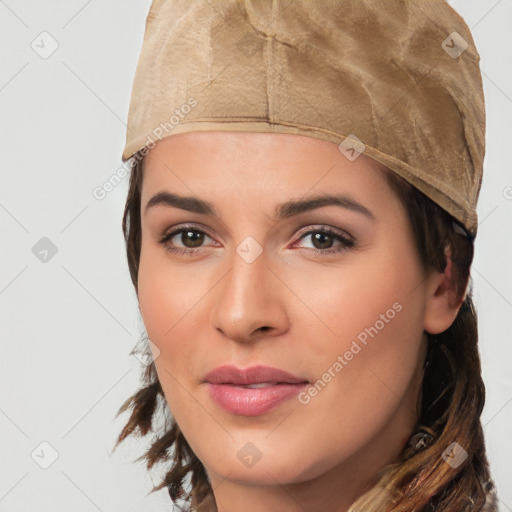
point(452, 400)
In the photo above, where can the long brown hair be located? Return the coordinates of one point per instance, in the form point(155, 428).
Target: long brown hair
point(452, 399)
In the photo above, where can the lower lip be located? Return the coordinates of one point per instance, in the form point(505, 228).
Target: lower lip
point(255, 401)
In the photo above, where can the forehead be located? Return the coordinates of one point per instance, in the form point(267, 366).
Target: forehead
point(242, 178)
point(238, 159)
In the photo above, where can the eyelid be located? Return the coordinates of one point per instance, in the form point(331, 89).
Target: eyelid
point(302, 231)
point(179, 228)
point(347, 240)
point(325, 228)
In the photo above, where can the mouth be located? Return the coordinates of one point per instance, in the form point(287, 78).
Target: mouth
point(254, 375)
point(256, 385)
point(252, 391)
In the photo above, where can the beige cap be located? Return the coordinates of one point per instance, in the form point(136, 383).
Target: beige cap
point(396, 79)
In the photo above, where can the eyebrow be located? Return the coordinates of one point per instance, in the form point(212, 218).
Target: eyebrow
point(282, 211)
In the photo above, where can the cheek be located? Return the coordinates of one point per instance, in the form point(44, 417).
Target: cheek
point(173, 305)
point(163, 302)
point(166, 305)
point(363, 342)
point(338, 303)
point(166, 295)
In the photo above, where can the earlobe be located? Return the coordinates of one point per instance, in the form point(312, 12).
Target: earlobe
point(442, 304)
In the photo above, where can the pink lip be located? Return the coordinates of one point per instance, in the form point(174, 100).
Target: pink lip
point(229, 374)
point(225, 385)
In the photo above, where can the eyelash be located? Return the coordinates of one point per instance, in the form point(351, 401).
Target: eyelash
point(346, 242)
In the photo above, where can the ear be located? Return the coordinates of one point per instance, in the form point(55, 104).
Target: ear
point(442, 304)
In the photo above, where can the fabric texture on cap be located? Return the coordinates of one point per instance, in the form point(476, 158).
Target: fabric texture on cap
point(396, 79)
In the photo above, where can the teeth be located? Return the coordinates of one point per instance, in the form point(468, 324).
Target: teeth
point(259, 385)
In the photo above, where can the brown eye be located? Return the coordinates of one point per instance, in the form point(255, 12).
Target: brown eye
point(190, 238)
point(184, 241)
point(322, 240)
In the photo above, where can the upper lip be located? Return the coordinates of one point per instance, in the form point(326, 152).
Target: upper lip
point(229, 374)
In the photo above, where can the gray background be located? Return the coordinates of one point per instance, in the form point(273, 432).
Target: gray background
point(69, 323)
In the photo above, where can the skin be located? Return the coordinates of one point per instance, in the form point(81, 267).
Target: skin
point(210, 309)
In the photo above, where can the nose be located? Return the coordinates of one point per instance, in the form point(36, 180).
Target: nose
point(250, 301)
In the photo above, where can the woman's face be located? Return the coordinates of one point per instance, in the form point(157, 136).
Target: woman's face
point(257, 284)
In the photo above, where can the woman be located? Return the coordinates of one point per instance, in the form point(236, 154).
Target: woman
point(300, 228)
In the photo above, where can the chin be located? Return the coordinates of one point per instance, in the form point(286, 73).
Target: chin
point(288, 469)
